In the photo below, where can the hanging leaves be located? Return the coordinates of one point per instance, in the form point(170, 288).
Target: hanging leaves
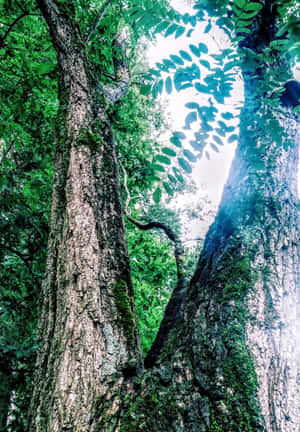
point(190, 118)
point(157, 195)
point(185, 165)
point(190, 156)
point(169, 85)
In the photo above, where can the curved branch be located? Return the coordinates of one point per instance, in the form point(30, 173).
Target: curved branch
point(10, 27)
point(174, 309)
point(115, 92)
point(97, 21)
point(178, 248)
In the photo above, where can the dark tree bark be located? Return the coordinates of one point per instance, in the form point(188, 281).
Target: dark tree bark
point(87, 325)
point(230, 362)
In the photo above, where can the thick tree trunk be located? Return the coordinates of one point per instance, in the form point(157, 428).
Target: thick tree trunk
point(87, 325)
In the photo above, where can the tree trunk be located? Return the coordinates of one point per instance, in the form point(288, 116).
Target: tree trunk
point(87, 325)
point(230, 363)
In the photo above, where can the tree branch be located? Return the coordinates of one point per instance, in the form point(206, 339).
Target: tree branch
point(97, 21)
point(115, 92)
point(174, 308)
point(178, 248)
point(10, 27)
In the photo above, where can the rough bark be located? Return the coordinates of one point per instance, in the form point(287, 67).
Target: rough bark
point(87, 325)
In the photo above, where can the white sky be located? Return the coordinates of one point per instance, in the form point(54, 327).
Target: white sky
point(209, 175)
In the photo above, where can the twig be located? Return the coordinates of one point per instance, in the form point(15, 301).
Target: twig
point(178, 248)
point(97, 21)
point(11, 26)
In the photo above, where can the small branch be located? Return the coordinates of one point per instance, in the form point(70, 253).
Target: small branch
point(113, 93)
point(11, 26)
point(97, 21)
point(178, 249)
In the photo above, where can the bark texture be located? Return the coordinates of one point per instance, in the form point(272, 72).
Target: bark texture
point(87, 326)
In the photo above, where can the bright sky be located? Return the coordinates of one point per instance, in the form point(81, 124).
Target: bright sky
point(209, 175)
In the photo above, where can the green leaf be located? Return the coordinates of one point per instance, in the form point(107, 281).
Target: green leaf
point(168, 189)
point(185, 165)
point(169, 64)
point(157, 195)
point(195, 50)
point(253, 7)
point(176, 141)
point(208, 27)
point(185, 55)
point(190, 118)
point(192, 105)
point(161, 27)
point(160, 86)
point(168, 151)
point(176, 59)
point(158, 167)
point(214, 147)
point(154, 72)
point(163, 159)
point(218, 140)
point(233, 138)
point(227, 115)
point(203, 48)
point(179, 32)
point(240, 3)
point(170, 30)
point(43, 69)
point(169, 85)
point(172, 178)
point(205, 63)
point(202, 88)
point(180, 135)
point(189, 155)
point(177, 174)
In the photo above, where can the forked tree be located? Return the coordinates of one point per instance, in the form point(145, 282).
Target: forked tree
point(225, 358)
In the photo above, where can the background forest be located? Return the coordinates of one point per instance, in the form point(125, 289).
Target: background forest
point(152, 172)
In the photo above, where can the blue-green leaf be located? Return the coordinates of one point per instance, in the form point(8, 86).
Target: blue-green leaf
point(192, 105)
point(208, 27)
point(218, 140)
point(168, 189)
point(205, 63)
point(227, 115)
point(158, 167)
point(202, 88)
point(189, 155)
point(169, 85)
point(176, 59)
point(203, 48)
point(157, 195)
point(170, 30)
point(195, 50)
point(190, 118)
point(176, 141)
point(233, 138)
point(168, 151)
point(179, 32)
point(185, 165)
point(163, 159)
point(185, 55)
